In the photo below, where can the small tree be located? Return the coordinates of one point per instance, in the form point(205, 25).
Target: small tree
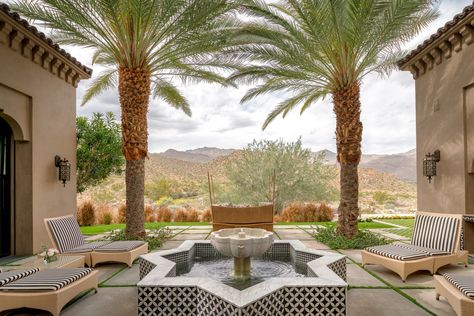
point(98, 149)
point(298, 175)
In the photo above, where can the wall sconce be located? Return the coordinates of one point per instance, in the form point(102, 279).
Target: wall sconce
point(64, 173)
point(429, 164)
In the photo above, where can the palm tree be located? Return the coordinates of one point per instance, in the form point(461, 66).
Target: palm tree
point(310, 49)
point(144, 45)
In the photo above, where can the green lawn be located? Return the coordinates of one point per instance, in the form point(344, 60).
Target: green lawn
point(404, 232)
point(100, 229)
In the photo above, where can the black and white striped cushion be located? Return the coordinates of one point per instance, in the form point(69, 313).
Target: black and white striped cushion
point(120, 246)
point(88, 247)
point(428, 251)
point(435, 232)
point(66, 232)
point(464, 283)
point(397, 252)
point(47, 280)
point(10, 276)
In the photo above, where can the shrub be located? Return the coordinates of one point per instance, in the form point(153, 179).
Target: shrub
point(107, 218)
point(180, 215)
point(363, 239)
point(104, 215)
point(206, 215)
point(150, 215)
point(122, 213)
point(86, 213)
point(325, 213)
point(164, 214)
point(192, 215)
point(154, 238)
point(306, 212)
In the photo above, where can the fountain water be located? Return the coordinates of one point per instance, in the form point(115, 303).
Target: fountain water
point(242, 244)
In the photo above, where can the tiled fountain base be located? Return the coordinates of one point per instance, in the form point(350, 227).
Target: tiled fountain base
point(322, 292)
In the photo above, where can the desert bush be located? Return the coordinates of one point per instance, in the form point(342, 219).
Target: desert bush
point(122, 213)
point(325, 213)
point(206, 215)
point(192, 215)
point(164, 214)
point(306, 212)
point(103, 215)
point(86, 213)
point(180, 215)
point(150, 215)
point(107, 218)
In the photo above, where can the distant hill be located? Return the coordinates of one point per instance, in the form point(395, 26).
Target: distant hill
point(402, 165)
point(204, 154)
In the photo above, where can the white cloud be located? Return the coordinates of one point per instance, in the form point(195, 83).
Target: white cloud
point(388, 112)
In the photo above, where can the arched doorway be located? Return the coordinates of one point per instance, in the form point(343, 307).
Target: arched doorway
point(5, 188)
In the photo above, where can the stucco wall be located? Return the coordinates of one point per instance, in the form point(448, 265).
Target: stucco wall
point(441, 105)
point(45, 105)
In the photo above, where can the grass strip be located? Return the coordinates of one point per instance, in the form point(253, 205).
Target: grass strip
point(116, 285)
point(112, 275)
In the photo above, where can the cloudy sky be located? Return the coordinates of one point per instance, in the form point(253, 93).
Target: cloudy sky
point(219, 120)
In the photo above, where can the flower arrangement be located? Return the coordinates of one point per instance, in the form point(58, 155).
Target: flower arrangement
point(49, 255)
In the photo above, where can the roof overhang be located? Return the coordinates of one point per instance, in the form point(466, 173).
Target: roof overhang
point(26, 40)
point(448, 40)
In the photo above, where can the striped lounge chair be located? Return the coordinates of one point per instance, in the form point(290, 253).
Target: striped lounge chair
point(47, 290)
point(458, 289)
point(66, 236)
point(435, 243)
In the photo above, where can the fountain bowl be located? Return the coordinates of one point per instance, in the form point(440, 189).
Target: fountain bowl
point(242, 242)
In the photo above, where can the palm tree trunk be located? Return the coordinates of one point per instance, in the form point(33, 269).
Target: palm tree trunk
point(348, 138)
point(134, 92)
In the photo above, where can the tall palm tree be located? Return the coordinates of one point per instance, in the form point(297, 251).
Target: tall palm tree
point(311, 49)
point(144, 45)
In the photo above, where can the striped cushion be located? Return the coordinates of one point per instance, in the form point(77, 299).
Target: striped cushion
point(66, 232)
point(88, 247)
point(120, 246)
point(7, 277)
point(435, 232)
point(428, 251)
point(464, 283)
point(47, 280)
point(397, 252)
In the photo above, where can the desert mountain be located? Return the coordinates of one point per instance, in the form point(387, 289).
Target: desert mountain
point(204, 154)
point(402, 165)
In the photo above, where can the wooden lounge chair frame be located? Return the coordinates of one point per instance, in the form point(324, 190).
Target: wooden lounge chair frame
point(51, 301)
point(431, 263)
point(92, 258)
point(462, 305)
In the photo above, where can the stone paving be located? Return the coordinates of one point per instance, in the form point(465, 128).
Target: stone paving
point(373, 290)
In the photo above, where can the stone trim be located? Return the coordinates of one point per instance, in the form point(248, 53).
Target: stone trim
point(448, 40)
point(25, 40)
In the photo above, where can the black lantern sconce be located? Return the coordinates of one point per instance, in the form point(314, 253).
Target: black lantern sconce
point(64, 173)
point(429, 164)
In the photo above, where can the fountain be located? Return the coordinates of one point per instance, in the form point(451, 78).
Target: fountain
point(242, 244)
point(213, 277)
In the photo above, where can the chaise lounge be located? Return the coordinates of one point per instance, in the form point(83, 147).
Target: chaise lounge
point(435, 243)
point(47, 290)
point(66, 236)
point(458, 290)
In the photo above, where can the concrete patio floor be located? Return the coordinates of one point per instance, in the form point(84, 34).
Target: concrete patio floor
point(373, 290)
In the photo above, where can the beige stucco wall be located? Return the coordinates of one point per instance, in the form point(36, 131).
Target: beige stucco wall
point(444, 95)
point(43, 105)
